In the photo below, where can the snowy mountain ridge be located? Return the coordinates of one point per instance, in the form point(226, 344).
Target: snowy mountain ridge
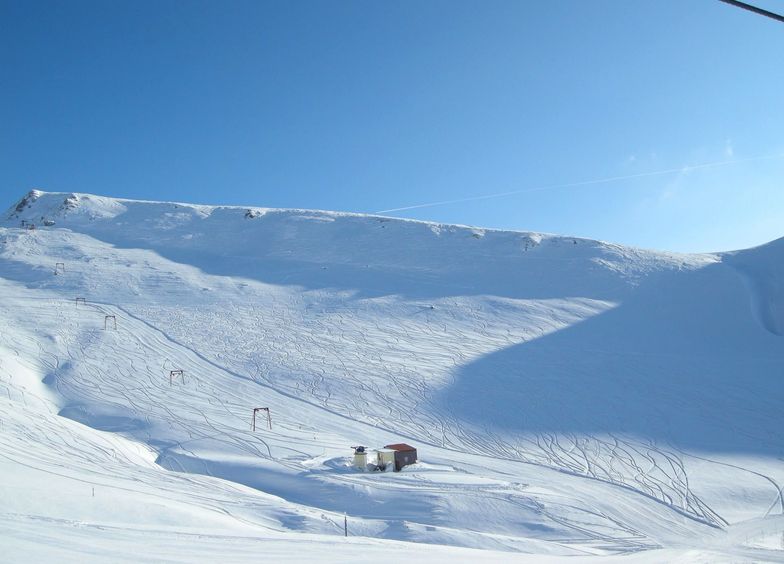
point(203, 227)
point(568, 397)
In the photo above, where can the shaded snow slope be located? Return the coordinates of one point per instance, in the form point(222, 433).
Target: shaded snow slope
point(762, 269)
point(568, 397)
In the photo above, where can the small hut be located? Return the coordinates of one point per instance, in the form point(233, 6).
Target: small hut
point(384, 457)
point(403, 455)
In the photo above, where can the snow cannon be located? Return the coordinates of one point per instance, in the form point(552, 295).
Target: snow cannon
point(360, 457)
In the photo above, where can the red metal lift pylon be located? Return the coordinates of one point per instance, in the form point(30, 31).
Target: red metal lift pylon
point(173, 373)
point(269, 417)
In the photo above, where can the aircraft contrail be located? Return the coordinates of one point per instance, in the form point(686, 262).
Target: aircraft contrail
point(585, 182)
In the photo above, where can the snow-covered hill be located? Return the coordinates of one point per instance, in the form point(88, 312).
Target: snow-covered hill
point(568, 397)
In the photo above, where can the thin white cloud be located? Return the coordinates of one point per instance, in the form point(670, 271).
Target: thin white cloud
point(680, 170)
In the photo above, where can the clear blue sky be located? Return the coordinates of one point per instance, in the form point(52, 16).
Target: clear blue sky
point(367, 106)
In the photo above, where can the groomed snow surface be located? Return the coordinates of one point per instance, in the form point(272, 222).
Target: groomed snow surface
point(569, 399)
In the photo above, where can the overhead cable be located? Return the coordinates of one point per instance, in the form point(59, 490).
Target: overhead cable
point(754, 9)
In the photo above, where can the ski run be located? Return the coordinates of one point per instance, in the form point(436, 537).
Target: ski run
point(569, 399)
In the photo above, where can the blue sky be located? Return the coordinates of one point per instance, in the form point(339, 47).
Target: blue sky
point(369, 106)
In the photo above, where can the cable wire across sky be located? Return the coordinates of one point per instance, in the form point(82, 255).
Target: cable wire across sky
point(755, 9)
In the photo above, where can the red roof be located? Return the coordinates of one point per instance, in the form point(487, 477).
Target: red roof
point(400, 446)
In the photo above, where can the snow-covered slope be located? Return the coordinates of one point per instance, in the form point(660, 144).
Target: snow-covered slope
point(568, 397)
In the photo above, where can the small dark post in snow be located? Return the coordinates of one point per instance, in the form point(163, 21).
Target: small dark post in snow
point(345, 525)
point(93, 492)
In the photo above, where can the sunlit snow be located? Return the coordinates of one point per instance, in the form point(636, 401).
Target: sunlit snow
point(567, 397)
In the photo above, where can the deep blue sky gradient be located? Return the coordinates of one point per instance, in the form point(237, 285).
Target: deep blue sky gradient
point(367, 106)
